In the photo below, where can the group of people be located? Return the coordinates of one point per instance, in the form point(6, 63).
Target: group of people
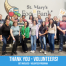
point(41, 33)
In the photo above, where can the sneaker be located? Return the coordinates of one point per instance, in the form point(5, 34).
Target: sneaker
point(3, 53)
point(31, 51)
point(60, 50)
point(45, 53)
point(41, 50)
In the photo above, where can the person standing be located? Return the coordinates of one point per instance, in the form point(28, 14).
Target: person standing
point(34, 36)
point(47, 23)
point(5, 32)
point(51, 35)
point(49, 17)
point(20, 24)
point(62, 31)
point(16, 18)
point(15, 34)
point(25, 35)
point(42, 32)
point(30, 21)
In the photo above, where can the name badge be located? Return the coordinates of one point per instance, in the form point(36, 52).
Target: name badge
point(24, 33)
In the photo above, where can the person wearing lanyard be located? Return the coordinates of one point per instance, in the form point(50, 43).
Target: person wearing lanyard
point(25, 35)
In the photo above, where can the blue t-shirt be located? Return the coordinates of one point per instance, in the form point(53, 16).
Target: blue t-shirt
point(39, 22)
point(15, 30)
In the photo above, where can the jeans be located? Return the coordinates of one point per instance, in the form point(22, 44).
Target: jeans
point(61, 42)
point(44, 42)
point(51, 41)
point(33, 42)
point(4, 43)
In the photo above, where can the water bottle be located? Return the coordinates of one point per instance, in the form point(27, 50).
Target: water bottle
point(13, 41)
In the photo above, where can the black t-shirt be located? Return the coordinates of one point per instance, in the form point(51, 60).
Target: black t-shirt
point(42, 29)
point(5, 30)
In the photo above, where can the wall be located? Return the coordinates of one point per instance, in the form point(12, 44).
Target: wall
point(53, 6)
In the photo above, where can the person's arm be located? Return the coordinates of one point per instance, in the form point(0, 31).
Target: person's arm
point(12, 34)
point(44, 33)
point(55, 29)
point(37, 31)
point(60, 28)
point(19, 32)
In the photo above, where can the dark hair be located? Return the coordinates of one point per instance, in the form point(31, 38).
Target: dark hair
point(6, 17)
point(27, 23)
point(23, 15)
point(42, 24)
point(35, 21)
point(52, 23)
point(32, 18)
point(44, 27)
point(64, 16)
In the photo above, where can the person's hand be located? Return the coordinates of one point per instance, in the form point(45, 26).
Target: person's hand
point(63, 31)
point(54, 37)
point(1, 39)
point(39, 34)
point(37, 37)
point(23, 36)
point(8, 38)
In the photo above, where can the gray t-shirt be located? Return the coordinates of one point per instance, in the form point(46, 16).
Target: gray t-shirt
point(15, 30)
point(33, 30)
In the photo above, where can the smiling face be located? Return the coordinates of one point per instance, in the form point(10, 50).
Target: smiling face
point(15, 23)
point(12, 19)
point(51, 21)
point(55, 18)
point(7, 22)
point(20, 19)
point(25, 24)
point(43, 23)
point(46, 19)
